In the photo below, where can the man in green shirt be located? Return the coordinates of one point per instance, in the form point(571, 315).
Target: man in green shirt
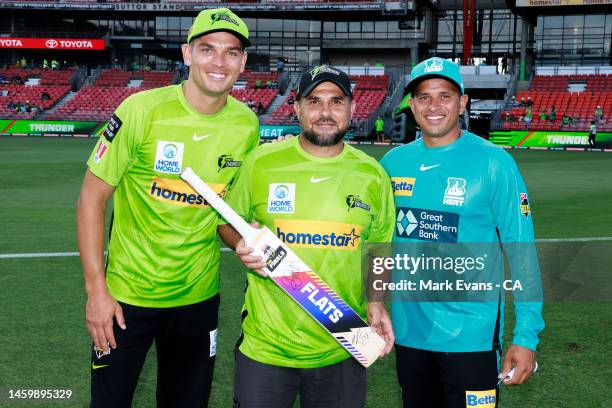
point(380, 129)
point(326, 200)
point(566, 119)
point(543, 116)
point(161, 278)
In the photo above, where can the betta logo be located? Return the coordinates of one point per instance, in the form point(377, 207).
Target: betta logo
point(223, 17)
point(226, 160)
point(353, 201)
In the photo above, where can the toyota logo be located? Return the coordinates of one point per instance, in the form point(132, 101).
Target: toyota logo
point(51, 43)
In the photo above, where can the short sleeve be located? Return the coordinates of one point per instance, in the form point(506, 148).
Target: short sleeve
point(384, 221)
point(118, 146)
point(239, 196)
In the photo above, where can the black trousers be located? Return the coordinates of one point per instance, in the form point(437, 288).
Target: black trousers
point(447, 380)
point(185, 339)
point(258, 385)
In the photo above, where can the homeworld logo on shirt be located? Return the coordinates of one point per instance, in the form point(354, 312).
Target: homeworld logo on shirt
point(169, 157)
point(281, 198)
point(319, 234)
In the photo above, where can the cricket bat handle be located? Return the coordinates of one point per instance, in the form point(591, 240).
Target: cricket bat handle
point(243, 228)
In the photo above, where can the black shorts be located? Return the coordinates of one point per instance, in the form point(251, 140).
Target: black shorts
point(447, 380)
point(258, 385)
point(185, 339)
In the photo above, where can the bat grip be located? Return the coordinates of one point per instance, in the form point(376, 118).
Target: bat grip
point(243, 228)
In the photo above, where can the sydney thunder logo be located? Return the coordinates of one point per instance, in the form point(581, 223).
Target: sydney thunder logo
point(226, 160)
point(320, 69)
point(353, 201)
point(223, 16)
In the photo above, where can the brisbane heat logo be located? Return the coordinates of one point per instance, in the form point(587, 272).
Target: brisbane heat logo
point(319, 234)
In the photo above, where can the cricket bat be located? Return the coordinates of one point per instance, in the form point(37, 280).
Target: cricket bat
point(300, 282)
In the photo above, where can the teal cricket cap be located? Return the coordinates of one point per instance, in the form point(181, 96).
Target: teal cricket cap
point(219, 19)
point(435, 68)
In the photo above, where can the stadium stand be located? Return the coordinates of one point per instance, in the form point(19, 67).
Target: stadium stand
point(93, 103)
point(547, 91)
point(265, 96)
point(98, 101)
point(32, 95)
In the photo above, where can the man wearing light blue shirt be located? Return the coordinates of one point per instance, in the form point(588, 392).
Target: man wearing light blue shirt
point(469, 191)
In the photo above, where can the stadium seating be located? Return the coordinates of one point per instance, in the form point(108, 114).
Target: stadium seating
point(265, 96)
point(46, 76)
point(32, 94)
point(93, 103)
point(251, 78)
point(552, 90)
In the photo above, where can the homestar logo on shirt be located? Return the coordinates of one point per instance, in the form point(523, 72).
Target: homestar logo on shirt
point(455, 191)
point(319, 234)
point(178, 192)
point(169, 157)
point(281, 198)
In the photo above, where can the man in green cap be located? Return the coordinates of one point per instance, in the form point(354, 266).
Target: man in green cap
point(160, 281)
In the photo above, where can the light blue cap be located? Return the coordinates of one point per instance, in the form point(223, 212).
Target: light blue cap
point(435, 68)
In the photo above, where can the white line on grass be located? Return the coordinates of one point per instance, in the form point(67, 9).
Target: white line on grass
point(57, 254)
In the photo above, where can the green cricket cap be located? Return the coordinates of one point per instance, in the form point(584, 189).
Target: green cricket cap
point(435, 68)
point(219, 19)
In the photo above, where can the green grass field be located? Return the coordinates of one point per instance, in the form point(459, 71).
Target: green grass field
point(45, 344)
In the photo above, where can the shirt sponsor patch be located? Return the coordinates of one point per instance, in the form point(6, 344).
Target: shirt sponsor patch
point(281, 198)
point(213, 343)
point(319, 234)
point(426, 225)
point(353, 201)
point(455, 191)
point(402, 186)
point(169, 157)
point(102, 148)
point(177, 192)
point(480, 399)
point(525, 208)
point(113, 126)
point(226, 161)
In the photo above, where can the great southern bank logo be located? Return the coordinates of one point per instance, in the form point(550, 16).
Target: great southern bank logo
point(169, 157)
